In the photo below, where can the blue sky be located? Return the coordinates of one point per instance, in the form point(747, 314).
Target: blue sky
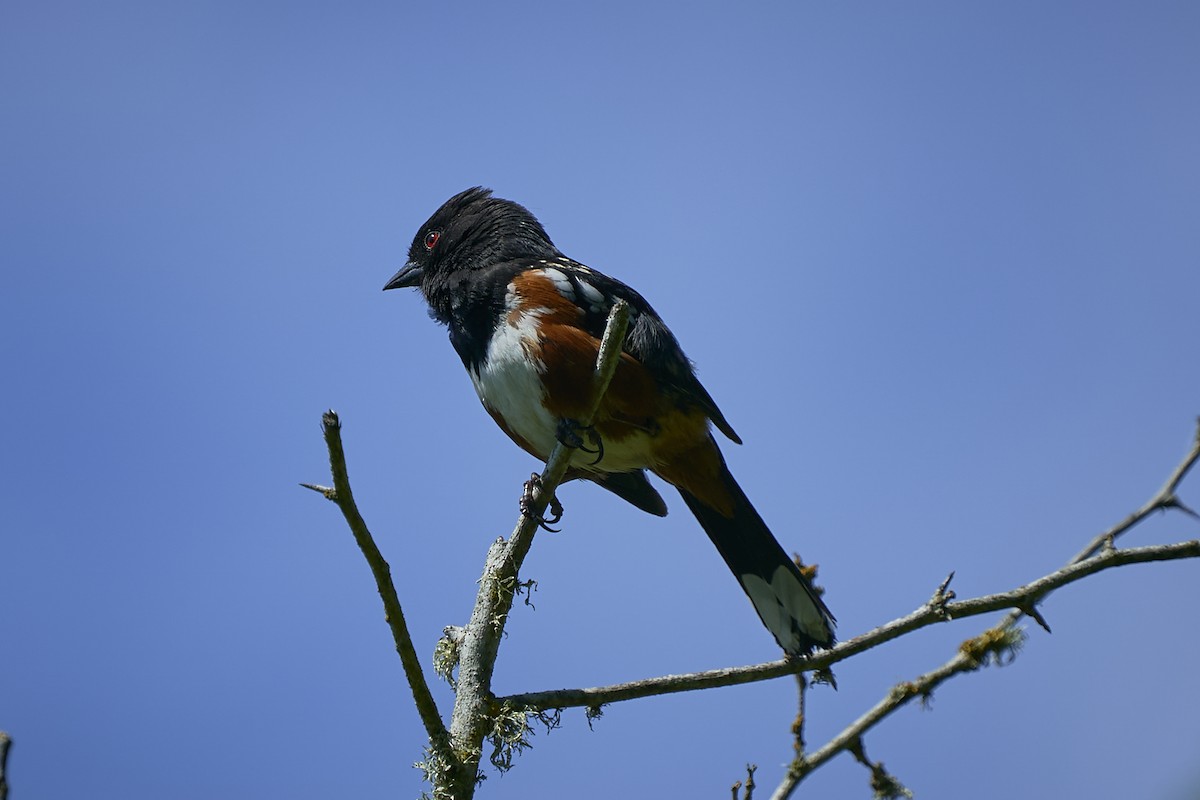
point(937, 262)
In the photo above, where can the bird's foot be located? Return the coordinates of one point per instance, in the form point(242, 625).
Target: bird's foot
point(572, 434)
point(556, 510)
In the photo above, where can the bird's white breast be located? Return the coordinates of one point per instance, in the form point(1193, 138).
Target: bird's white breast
point(509, 381)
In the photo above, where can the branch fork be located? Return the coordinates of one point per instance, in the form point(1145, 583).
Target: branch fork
point(454, 752)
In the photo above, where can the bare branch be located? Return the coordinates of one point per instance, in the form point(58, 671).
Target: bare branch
point(990, 647)
point(343, 496)
point(749, 786)
point(929, 614)
point(1165, 498)
point(475, 706)
point(1002, 639)
point(453, 759)
point(884, 785)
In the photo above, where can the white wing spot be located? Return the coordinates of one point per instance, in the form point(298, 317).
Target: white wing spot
point(592, 295)
point(561, 282)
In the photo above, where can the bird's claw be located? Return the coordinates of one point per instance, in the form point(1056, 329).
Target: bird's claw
point(571, 434)
point(556, 510)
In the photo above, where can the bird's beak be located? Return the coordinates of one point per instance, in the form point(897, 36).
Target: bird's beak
point(409, 275)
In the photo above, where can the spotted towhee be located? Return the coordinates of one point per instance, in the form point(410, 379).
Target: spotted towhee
point(526, 321)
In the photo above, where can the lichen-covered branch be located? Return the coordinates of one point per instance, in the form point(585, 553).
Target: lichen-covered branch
point(451, 763)
point(475, 707)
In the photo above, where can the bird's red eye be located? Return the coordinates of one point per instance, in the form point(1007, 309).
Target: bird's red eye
point(431, 239)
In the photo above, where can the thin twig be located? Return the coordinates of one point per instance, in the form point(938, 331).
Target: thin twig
point(1165, 498)
point(1020, 597)
point(1001, 639)
point(1104, 543)
point(798, 722)
point(343, 496)
point(750, 785)
point(883, 784)
point(475, 706)
point(966, 660)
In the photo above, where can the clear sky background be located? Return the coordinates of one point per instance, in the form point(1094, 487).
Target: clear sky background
point(939, 263)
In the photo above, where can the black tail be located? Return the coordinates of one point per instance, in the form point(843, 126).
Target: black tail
point(784, 599)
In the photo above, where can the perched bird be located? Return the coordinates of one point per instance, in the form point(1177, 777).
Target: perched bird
point(526, 321)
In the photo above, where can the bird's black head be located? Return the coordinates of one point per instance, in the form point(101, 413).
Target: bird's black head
point(470, 233)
